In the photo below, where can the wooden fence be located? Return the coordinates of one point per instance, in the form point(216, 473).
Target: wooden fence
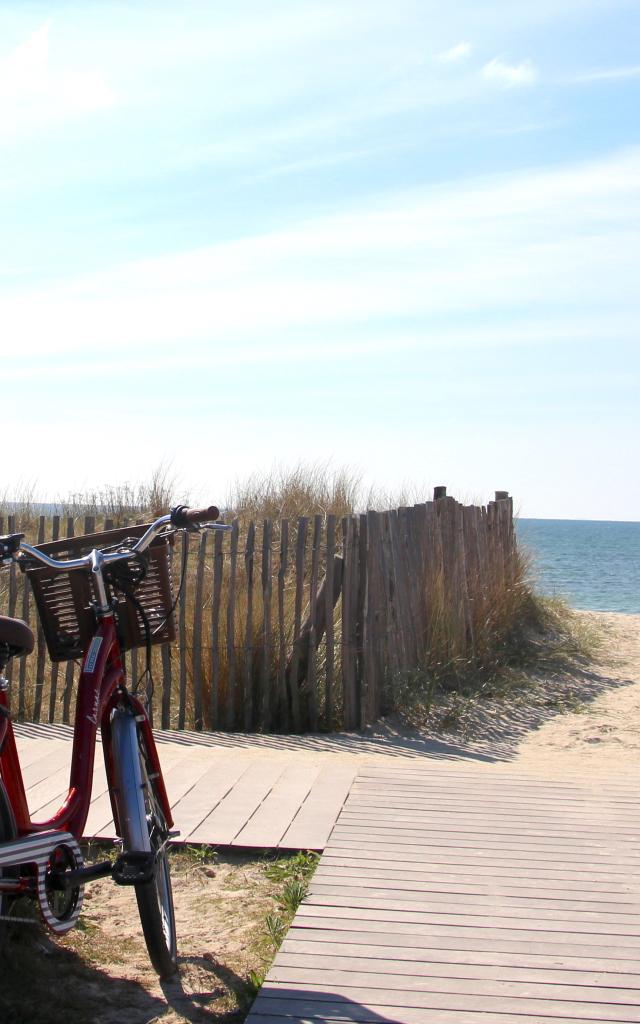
point(298, 625)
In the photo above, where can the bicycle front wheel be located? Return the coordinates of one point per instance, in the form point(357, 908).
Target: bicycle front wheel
point(144, 830)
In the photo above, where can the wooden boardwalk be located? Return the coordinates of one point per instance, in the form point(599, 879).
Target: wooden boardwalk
point(450, 895)
point(244, 795)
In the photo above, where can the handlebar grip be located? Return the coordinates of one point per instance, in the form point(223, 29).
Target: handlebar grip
point(183, 516)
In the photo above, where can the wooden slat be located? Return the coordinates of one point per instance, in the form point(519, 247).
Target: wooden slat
point(267, 827)
point(349, 622)
point(330, 546)
point(312, 696)
point(55, 667)
point(505, 1001)
point(265, 668)
point(239, 803)
point(294, 696)
point(216, 600)
point(283, 700)
point(182, 632)
point(310, 828)
point(323, 945)
point(196, 647)
point(230, 696)
point(249, 549)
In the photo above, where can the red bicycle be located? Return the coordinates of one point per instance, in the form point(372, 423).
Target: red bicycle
point(91, 605)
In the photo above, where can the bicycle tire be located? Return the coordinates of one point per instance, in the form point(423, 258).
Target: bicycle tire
point(8, 831)
point(144, 829)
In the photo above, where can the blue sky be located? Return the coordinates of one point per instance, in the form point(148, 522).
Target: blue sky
point(402, 238)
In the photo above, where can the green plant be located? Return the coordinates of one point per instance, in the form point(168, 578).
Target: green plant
point(292, 895)
point(255, 981)
point(276, 929)
point(299, 866)
point(201, 855)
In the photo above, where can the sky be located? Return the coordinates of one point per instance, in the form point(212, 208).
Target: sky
point(398, 238)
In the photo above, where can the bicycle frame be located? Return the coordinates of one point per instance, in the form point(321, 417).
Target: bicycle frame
point(100, 689)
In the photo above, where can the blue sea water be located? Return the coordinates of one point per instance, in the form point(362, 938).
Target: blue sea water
point(594, 565)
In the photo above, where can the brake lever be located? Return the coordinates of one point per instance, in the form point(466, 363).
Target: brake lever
point(216, 526)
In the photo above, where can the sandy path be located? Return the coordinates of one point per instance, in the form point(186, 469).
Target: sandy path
point(602, 732)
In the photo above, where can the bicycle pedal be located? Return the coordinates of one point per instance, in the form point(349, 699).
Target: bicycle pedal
point(133, 868)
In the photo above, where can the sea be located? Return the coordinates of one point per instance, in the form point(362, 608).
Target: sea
point(595, 566)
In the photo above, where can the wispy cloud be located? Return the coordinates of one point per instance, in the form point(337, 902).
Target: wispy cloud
point(608, 74)
point(33, 90)
point(510, 75)
point(458, 52)
point(475, 249)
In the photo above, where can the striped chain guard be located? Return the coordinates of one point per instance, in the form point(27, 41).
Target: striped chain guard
point(38, 850)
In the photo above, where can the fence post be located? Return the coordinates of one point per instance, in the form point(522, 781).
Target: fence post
point(265, 675)
point(292, 678)
point(218, 565)
point(197, 635)
point(249, 549)
point(230, 710)
point(37, 698)
point(329, 611)
point(283, 703)
point(53, 688)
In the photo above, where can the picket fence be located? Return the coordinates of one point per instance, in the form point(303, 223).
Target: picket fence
point(298, 625)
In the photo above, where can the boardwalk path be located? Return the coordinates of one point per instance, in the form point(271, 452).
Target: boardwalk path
point(454, 896)
point(453, 889)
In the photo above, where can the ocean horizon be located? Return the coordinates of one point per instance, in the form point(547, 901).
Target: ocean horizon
point(593, 564)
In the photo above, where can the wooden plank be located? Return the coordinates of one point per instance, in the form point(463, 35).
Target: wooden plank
point(249, 550)
point(40, 645)
point(309, 1011)
point(460, 1002)
point(294, 696)
point(166, 659)
point(451, 824)
point(216, 600)
point(404, 912)
point(414, 986)
point(349, 622)
point(442, 859)
point(310, 828)
point(283, 700)
point(446, 942)
point(410, 874)
point(323, 946)
point(196, 647)
point(398, 972)
point(271, 820)
point(226, 820)
point(206, 794)
point(266, 710)
point(13, 592)
point(330, 545)
point(182, 633)
point(513, 904)
point(312, 696)
point(55, 667)
point(53, 787)
point(22, 676)
point(517, 808)
point(230, 702)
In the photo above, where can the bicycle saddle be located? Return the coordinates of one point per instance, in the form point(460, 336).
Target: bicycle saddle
point(16, 635)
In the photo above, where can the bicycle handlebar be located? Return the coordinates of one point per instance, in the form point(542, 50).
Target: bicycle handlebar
point(179, 518)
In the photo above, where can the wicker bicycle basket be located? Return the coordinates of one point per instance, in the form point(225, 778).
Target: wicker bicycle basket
point(64, 599)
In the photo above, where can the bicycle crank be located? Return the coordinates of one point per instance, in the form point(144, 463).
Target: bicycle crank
point(52, 853)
